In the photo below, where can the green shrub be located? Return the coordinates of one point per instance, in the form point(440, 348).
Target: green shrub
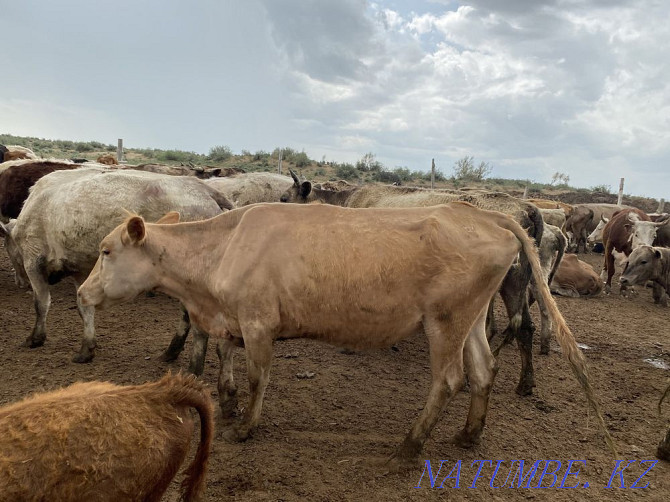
point(220, 153)
point(346, 171)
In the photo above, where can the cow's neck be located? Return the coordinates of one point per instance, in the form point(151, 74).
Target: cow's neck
point(187, 254)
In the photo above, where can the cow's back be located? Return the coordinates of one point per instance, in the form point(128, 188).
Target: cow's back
point(251, 188)
point(69, 212)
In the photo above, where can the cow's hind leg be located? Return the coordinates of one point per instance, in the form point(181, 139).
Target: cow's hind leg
point(226, 385)
point(87, 314)
point(258, 348)
point(42, 301)
point(446, 361)
point(481, 368)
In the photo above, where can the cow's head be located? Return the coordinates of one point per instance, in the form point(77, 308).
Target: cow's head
point(597, 234)
point(644, 232)
point(14, 252)
point(299, 192)
point(3, 151)
point(124, 268)
point(643, 264)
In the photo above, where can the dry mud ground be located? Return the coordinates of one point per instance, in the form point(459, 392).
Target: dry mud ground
point(322, 438)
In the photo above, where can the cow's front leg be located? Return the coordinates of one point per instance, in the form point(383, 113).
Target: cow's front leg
point(198, 351)
point(87, 314)
point(258, 345)
point(659, 295)
point(481, 368)
point(42, 301)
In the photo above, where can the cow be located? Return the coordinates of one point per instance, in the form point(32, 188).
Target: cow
point(15, 182)
point(647, 263)
point(68, 213)
point(251, 188)
point(554, 217)
point(514, 287)
point(15, 152)
point(583, 221)
point(617, 236)
point(105, 442)
point(551, 252)
point(552, 204)
point(108, 159)
point(651, 233)
point(356, 278)
point(188, 170)
point(575, 278)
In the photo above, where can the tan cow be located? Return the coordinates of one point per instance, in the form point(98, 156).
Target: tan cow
point(356, 278)
point(15, 152)
point(108, 159)
point(554, 217)
point(576, 278)
point(105, 442)
point(552, 204)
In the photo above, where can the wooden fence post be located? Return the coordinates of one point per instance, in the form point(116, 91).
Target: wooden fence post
point(279, 165)
point(119, 150)
point(661, 206)
point(620, 198)
point(432, 174)
point(525, 192)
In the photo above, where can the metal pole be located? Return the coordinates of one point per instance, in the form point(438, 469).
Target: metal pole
point(119, 150)
point(432, 174)
point(618, 201)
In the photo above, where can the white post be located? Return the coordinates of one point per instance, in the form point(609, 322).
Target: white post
point(432, 174)
point(279, 165)
point(620, 198)
point(119, 150)
point(661, 206)
point(525, 193)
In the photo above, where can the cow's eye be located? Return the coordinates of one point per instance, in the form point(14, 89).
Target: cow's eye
point(105, 251)
point(644, 262)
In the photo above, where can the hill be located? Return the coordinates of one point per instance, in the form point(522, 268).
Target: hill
point(366, 170)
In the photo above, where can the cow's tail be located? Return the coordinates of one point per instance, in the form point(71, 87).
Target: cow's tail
point(562, 245)
point(188, 391)
point(220, 199)
point(564, 336)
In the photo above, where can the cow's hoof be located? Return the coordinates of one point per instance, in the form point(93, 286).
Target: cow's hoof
point(395, 464)
point(524, 389)
point(168, 356)
point(465, 440)
point(236, 434)
point(82, 358)
point(32, 342)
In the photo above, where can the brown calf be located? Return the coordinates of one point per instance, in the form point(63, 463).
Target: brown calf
point(104, 442)
point(616, 236)
point(108, 159)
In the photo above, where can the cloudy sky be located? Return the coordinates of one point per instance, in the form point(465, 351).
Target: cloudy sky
point(534, 87)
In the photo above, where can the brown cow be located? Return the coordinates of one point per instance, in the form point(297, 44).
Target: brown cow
point(105, 442)
point(108, 159)
point(15, 183)
point(576, 278)
point(583, 221)
point(514, 288)
point(617, 236)
point(357, 278)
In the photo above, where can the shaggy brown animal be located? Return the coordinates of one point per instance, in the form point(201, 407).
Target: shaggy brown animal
point(108, 159)
point(105, 442)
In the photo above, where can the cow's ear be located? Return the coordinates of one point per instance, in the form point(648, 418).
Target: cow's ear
point(305, 188)
point(136, 230)
point(627, 226)
point(657, 254)
point(169, 218)
point(214, 173)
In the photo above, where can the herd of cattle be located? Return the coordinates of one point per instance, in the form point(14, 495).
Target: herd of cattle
point(355, 266)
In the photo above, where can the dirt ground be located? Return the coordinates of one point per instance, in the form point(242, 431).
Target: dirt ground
point(325, 438)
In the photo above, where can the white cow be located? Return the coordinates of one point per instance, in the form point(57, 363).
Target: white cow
point(67, 214)
point(251, 188)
